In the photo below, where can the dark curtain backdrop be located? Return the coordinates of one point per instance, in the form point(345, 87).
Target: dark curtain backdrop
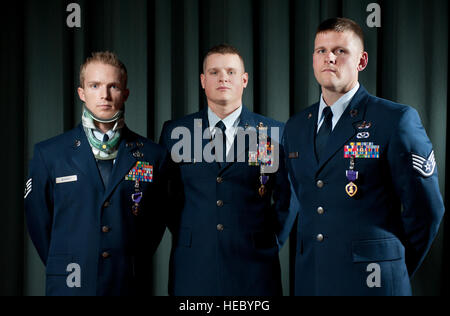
point(162, 42)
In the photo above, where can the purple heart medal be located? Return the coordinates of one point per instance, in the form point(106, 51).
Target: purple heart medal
point(352, 176)
point(263, 157)
point(136, 198)
point(262, 189)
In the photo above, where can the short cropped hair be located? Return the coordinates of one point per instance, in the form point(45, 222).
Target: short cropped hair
point(341, 25)
point(223, 49)
point(107, 58)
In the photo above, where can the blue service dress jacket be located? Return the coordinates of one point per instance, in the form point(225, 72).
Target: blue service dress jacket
point(367, 236)
point(73, 219)
point(226, 237)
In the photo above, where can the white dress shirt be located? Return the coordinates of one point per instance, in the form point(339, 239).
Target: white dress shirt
point(337, 108)
point(231, 122)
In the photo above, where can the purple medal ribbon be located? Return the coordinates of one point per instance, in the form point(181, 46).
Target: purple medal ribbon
point(136, 197)
point(351, 175)
point(264, 179)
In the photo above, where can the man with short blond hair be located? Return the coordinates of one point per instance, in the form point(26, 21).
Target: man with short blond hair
point(94, 195)
point(364, 172)
point(106, 58)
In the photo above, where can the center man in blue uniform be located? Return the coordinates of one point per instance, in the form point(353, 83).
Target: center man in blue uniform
point(95, 194)
point(354, 161)
point(232, 219)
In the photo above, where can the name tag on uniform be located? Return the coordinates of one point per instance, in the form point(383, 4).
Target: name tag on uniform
point(66, 179)
point(293, 155)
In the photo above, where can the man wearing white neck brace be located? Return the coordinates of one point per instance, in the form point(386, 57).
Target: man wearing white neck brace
point(92, 197)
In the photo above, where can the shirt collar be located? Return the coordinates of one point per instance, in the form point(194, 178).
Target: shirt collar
point(339, 106)
point(99, 135)
point(230, 121)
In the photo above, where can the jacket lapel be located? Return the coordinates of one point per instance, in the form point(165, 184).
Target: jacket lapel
point(124, 160)
point(84, 159)
point(205, 125)
point(246, 120)
point(346, 128)
point(311, 128)
point(203, 116)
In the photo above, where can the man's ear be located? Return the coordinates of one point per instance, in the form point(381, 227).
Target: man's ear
point(202, 80)
point(81, 94)
point(245, 79)
point(363, 61)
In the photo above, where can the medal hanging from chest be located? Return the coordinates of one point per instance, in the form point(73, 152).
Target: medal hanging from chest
point(263, 180)
point(360, 150)
point(352, 176)
point(136, 198)
point(142, 171)
point(264, 155)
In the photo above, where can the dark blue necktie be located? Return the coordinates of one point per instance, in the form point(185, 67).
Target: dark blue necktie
point(105, 166)
point(222, 127)
point(324, 132)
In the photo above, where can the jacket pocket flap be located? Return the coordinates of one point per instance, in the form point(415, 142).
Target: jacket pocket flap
point(377, 250)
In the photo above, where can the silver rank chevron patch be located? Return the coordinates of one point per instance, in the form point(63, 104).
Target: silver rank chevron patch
point(424, 166)
point(28, 187)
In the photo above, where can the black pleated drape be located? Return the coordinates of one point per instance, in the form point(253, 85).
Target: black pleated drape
point(162, 43)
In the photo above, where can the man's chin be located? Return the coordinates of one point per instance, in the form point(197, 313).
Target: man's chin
point(222, 102)
point(330, 85)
